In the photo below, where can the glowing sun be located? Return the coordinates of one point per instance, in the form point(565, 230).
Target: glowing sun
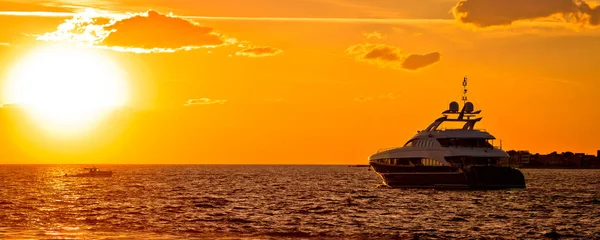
point(66, 88)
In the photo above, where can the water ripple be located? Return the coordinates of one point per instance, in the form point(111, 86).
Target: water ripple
point(285, 202)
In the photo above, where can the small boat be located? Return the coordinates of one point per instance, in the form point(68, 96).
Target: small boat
point(92, 172)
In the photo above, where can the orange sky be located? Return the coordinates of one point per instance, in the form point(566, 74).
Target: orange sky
point(309, 81)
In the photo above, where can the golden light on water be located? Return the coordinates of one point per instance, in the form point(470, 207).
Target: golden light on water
point(66, 89)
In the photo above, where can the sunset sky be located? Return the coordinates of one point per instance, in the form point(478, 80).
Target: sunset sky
point(288, 82)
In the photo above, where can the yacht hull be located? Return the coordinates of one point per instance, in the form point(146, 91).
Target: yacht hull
point(471, 177)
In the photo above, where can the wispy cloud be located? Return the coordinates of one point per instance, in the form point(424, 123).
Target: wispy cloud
point(327, 20)
point(486, 13)
point(10, 105)
point(259, 52)
point(37, 14)
point(558, 80)
point(363, 99)
point(4, 44)
point(388, 97)
point(233, 18)
point(391, 56)
point(363, 7)
point(374, 35)
point(203, 101)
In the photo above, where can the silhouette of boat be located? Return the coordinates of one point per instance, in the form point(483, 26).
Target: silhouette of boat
point(92, 172)
point(448, 158)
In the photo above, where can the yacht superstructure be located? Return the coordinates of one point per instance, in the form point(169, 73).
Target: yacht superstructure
point(448, 158)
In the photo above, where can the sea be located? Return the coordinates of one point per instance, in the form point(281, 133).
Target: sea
point(285, 202)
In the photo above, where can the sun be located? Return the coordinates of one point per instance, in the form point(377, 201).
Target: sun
point(66, 88)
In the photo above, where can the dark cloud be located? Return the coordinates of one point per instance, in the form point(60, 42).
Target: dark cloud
point(391, 56)
point(259, 52)
point(375, 53)
point(385, 53)
point(486, 13)
point(416, 61)
point(155, 30)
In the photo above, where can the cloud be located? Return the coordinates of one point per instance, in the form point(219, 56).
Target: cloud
point(259, 52)
point(4, 44)
point(203, 101)
point(30, 6)
point(37, 14)
point(374, 35)
point(391, 56)
point(154, 30)
point(363, 99)
point(143, 33)
point(416, 61)
point(486, 13)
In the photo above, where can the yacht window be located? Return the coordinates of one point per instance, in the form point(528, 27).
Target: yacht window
point(464, 142)
point(431, 162)
point(402, 161)
point(417, 161)
point(460, 161)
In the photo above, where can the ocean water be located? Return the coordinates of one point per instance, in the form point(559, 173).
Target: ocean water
point(285, 202)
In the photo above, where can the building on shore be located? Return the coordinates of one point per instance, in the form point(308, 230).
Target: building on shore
point(524, 159)
point(519, 158)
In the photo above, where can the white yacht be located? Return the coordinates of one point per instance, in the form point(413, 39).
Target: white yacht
point(448, 158)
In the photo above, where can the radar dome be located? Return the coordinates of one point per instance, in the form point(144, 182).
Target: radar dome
point(469, 107)
point(453, 107)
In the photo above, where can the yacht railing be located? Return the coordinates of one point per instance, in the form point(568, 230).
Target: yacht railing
point(458, 129)
point(495, 146)
point(485, 147)
point(491, 146)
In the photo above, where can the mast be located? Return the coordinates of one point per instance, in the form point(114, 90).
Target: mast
point(464, 99)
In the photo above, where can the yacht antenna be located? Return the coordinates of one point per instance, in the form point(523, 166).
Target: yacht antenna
point(464, 98)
